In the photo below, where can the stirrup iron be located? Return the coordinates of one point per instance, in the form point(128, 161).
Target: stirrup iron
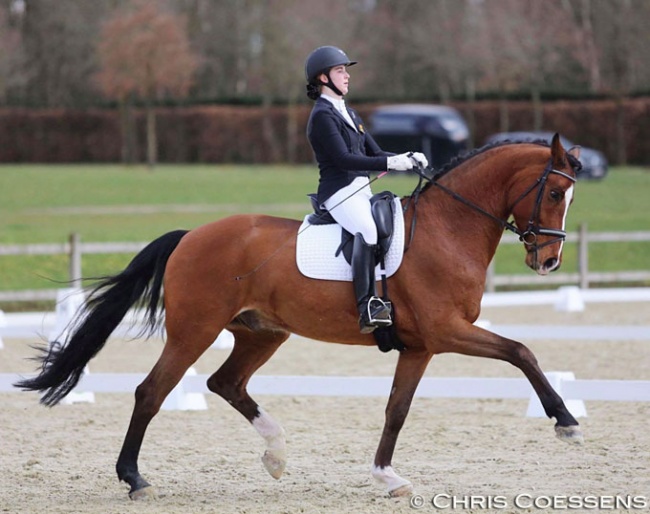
point(377, 313)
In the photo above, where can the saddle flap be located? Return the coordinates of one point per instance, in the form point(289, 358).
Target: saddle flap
point(382, 211)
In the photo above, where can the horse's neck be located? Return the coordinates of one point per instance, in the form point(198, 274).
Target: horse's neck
point(484, 182)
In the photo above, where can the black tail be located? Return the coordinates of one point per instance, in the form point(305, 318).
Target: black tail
point(108, 303)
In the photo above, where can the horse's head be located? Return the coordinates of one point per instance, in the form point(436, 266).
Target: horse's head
point(541, 208)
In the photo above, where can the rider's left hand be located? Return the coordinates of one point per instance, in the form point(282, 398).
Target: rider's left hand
point(419, 159)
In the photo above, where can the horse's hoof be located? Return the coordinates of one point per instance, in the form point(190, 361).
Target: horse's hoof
point(571, 434)
point(274, 462)
point(397, 486)
point(146, 493)
point(403, 490)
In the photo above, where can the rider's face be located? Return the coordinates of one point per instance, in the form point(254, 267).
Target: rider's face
point(340, 78)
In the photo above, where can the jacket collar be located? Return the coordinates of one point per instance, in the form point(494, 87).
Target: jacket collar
point(325, 102)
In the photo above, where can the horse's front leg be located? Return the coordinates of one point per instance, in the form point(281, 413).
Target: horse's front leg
point(481, 343)
point(410, 367)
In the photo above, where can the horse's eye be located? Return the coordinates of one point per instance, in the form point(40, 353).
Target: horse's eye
point(557, 195)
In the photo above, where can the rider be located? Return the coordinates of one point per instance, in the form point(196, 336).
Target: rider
point(346, 153)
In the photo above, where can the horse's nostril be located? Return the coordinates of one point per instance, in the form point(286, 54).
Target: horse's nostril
point(552, 264)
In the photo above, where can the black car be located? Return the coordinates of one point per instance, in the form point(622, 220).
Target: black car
point(594, 163)
point(439, 132)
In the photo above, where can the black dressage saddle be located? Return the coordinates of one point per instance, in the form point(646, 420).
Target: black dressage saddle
point(382, 206)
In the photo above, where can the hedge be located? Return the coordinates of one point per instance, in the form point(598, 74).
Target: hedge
point(254, 134)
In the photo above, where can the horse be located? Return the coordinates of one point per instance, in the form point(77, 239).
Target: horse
point(240, 273)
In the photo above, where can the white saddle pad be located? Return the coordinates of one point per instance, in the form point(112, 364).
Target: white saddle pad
point(317, 245)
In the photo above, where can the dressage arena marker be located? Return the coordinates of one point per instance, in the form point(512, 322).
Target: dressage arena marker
point(180, 399)
point(566, 298)
point(189, 393)
point(574, 391)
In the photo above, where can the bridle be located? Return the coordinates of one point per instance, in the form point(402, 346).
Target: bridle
point(529, 236)
point(533, 229)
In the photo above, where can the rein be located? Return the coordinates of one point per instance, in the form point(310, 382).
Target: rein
point(527, 236)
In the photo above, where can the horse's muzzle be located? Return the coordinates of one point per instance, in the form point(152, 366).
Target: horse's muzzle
point(542, 267)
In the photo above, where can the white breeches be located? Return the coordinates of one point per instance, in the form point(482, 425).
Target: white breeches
point(353, 212)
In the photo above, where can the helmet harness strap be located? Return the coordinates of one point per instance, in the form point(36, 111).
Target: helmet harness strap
point(330, 83)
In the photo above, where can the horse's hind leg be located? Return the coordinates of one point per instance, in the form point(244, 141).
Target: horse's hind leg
point(252, 350)
point(149, 396)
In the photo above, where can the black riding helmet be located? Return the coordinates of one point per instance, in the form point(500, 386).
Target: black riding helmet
point(320, 61)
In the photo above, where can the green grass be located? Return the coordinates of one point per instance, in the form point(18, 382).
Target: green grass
point(45, 203)
point(36, 203)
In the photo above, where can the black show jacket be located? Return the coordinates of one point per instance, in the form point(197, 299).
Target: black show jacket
point(342, 153)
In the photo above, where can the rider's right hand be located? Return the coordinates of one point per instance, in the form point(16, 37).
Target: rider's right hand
point(401, 162)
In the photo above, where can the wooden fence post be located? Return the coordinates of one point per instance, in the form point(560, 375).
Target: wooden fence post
point(583, 256)
point(75, 260)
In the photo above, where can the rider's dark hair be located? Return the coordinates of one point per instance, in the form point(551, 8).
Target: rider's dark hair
point(313, 91)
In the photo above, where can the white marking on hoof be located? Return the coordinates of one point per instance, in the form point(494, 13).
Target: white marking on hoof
point(405, 490)
point(275, 456)
point(571, 434)
point(144, 494)
point(274, 462)
point(396, 485)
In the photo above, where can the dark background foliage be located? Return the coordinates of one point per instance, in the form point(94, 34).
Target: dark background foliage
point(581, 67)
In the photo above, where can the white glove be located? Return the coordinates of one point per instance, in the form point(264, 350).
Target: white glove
point(420, 159)
point(401, 162)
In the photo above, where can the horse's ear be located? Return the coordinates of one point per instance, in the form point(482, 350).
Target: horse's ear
point(575, 151)
point(557, 152)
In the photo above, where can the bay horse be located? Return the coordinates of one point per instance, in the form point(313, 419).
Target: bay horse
point(240, 273)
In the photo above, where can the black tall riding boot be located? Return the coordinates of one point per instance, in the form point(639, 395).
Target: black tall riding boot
point(373, 312)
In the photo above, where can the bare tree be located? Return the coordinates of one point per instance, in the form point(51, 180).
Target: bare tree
point(624, 48)
point(582, 11)
point(253, 51)
point(144, 52)
point(52, 59)
point(9, 50)
point(277, 52)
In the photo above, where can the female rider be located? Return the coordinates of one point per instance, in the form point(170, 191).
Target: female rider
point(346, 153)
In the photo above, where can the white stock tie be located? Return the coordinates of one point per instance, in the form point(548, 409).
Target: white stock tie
point(346, 115)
